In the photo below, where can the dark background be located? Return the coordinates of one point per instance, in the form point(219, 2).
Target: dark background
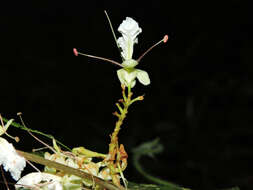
point(199, 102)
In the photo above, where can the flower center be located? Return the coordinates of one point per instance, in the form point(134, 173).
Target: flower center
point(129, 63)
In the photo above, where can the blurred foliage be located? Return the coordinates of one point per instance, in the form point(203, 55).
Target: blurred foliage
point(150, 149)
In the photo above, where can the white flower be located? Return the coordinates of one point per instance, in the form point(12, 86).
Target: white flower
point(129, 29)
point(10, 159)
point(52, 182)
point(73, 182)
point(105, 174)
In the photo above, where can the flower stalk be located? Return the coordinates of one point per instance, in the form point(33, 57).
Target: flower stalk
point(117, 155)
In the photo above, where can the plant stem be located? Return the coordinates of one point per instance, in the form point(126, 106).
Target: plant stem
point(117, 156)
point(121, 117)
point(17, 125)
point(114, 159)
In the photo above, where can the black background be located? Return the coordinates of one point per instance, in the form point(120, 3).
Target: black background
point(199, 102)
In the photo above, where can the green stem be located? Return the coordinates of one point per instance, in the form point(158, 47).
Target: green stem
point(114, 153)
point(121, 117)
point(17, 125)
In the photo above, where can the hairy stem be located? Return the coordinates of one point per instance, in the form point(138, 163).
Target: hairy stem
point(114, 145)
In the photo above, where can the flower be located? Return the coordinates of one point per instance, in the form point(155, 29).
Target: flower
point(46, 180)
point(129, 29)
point(10, 159)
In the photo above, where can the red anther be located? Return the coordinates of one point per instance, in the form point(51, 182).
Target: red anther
point(75, 51)
point(165, 38)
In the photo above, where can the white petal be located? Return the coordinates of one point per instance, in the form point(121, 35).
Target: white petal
point(71, 163)
point(127, 78)
point(133, 83)
point(129, 29)
point(10, 159)
point(127, 47)
point(74, 182)
point(143, 77)
point(120, 74)
point(35, 178)
point(105, 174)
point(123, 45)
point(130, 76)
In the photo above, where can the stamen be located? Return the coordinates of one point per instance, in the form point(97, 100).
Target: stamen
point(96, 57)
point(164, 40)
point(75, 52)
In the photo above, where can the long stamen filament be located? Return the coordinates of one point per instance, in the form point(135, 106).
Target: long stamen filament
point(113, 33)
point(164, 40)
point(96, 57)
